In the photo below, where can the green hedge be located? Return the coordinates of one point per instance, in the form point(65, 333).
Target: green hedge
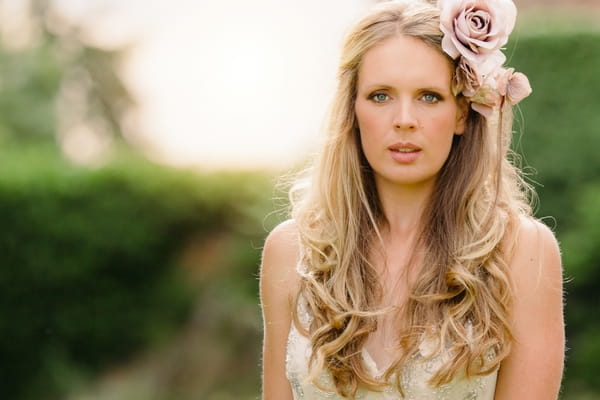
point(561, 124)
point(88, 261)
point(561, 140)
point(581, 246)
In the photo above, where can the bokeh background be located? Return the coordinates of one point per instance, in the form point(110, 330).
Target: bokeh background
point(141, 149)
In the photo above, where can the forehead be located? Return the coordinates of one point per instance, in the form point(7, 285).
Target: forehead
point(405, 61)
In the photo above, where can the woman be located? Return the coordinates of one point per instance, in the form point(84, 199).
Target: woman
point(412, 268)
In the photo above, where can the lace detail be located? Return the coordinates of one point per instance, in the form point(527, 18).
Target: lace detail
point(414, 376)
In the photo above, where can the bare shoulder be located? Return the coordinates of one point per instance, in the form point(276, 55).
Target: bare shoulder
point(279, 283)
point(280, 257)
point(536, 252)
point(283, 238)
point(533, 230)
point(537, 320)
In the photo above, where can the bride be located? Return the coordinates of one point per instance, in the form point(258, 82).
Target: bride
point(412, 267)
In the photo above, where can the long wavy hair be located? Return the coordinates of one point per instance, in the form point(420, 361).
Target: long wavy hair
point(462, 292)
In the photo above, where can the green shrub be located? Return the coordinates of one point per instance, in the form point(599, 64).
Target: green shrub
point(88, 261)
point(561, 127)
point(561, 139)
point(582, 257)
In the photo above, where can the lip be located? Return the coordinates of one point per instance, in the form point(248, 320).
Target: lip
point(404, 145)
point(410, 154)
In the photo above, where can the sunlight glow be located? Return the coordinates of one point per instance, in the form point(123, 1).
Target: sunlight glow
point(228, 84)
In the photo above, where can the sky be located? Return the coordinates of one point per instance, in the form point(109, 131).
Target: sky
point(224, 84)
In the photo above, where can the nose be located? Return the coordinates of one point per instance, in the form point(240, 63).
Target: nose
point(405, 116)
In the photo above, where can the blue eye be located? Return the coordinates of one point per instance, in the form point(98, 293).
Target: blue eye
point(379, 97)
point(430, 98)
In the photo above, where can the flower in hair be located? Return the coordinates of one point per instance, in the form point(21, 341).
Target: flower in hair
point(474, 33)
point(476, 29)
point(514, 86)
point(485, 99)
point(466, 80)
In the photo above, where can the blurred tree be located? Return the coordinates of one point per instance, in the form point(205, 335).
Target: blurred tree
point(56, 88)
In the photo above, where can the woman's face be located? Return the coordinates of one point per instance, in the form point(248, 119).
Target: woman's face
point(406, 112)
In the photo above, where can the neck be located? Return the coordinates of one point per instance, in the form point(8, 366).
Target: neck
point(403, 207)
point(399, 256)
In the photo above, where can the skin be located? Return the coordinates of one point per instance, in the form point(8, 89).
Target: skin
point(533, 369)
point(403, 95)
point(279, 282)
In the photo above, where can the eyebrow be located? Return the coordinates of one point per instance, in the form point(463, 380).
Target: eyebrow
point(437, 89)
point(376, 86)
point(423, 89)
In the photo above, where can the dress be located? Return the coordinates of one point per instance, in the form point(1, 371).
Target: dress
point(414, 376)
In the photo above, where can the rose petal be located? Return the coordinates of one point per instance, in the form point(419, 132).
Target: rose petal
point(502, 80)
point(449, 47)
point(449, 10)
point(479, 21)
point(473, 28)
point(506, 13)
point(489, 64)
point(518, 88)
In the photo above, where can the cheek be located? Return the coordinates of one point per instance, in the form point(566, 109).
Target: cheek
point(363, 117)
point(371, 121)
point(442, 131)
point(369, 132)
point(446, 125)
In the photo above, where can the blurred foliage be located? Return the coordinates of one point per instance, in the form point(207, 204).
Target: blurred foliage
point(88, 259)
point(562, 124)
point(100, 265)
point(31, 80)
point(581, 248)
point(560, 139)
point(58, 80)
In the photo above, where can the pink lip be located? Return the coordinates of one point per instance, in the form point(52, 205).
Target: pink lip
point(404, 157)
point(404, 145)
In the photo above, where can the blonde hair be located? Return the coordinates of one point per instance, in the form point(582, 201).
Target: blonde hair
point(463, 289)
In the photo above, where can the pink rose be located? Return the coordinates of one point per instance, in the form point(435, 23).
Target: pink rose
point(514, 86)
point(477, 28)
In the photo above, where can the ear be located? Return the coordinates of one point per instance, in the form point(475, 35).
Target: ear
point(461, 115)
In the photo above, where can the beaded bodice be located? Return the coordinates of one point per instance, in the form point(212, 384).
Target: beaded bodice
point(414, 376)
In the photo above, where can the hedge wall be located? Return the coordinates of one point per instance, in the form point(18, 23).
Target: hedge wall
point(88, 256)
point(561, 119)
point(560, 140)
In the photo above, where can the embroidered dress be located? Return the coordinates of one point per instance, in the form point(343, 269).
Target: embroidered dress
point(414, 377)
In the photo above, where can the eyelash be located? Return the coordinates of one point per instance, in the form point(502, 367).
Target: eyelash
point(376, 94)
point(436, 97)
